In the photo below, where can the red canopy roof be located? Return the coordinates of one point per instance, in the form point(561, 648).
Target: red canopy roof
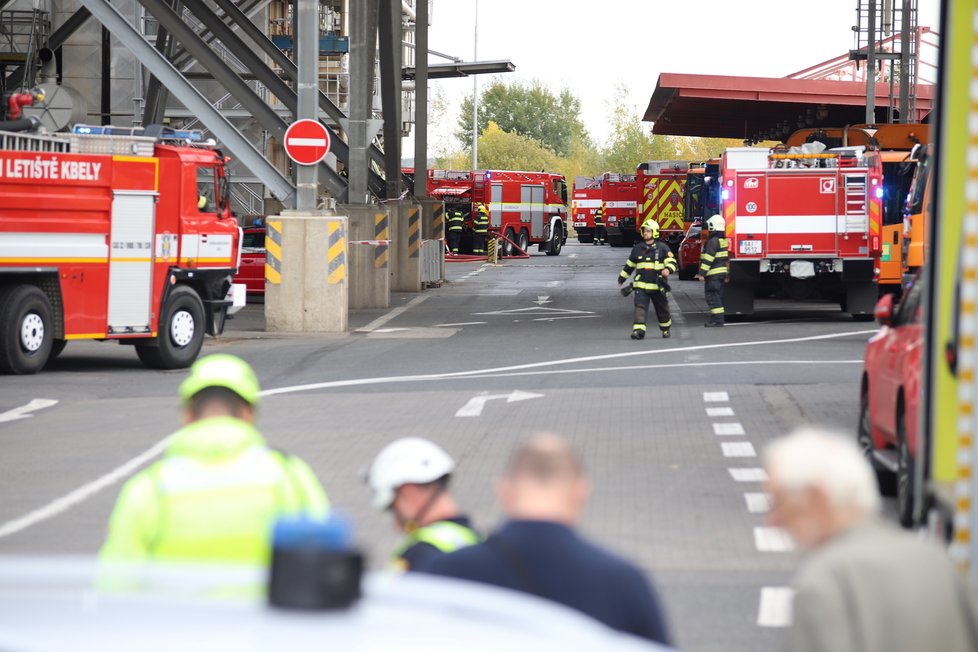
point(720, 106)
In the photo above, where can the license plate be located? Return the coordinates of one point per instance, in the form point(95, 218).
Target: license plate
point(580, 223)
point(750, 247)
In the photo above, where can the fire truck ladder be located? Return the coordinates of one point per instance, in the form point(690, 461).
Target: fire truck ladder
point(857, 217)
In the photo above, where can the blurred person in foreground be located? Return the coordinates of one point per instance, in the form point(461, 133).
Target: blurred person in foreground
point(218, 488)
point(865, 585)
point(537, 551)
point(409, 478)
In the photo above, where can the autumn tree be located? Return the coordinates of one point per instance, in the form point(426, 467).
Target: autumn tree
point(527, 109)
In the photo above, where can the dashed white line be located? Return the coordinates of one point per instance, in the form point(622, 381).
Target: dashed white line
point(738, 449)
point(728, 429)
point(775, 607)
point(461, 323)
point(772, 539)
point(758, 503)
point(719, 412)
point(748, 474)
point(716, 397)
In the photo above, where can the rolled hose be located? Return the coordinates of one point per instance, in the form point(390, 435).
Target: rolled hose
point(22, 124)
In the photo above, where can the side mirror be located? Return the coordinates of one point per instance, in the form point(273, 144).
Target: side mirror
point(884, 310)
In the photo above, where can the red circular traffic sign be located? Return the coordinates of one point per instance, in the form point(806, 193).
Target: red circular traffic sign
point(306, 142)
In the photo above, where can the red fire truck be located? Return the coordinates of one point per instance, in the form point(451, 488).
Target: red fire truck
point(587, 199)
point(661, 187)
point(619, 196)
point(803, 225)
point(113, 236)
point(524, 207)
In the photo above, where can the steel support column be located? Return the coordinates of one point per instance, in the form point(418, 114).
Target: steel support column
point(421, 100)
point(363, 51)
point(390, 92)
point(155, 107)
point(871, 63)
point(306, 44)
point(236, 143)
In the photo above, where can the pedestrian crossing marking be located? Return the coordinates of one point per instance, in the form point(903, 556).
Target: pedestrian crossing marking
point(716, 397)
point(758, 503)
point(728, 429)
point(775, 607)
point(719, 412)
point(738, 449)
point(773, 539)
point(748, 474)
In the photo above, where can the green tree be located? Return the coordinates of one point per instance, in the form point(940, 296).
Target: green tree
point(631, 141)
point(501, 150)
point(527, 109)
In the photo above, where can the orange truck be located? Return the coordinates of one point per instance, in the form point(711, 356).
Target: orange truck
point(106, 234)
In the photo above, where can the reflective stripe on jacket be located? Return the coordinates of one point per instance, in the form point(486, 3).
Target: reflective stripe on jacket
point(713, 259)
point(648, 261)
point(481, 222)
point(447, 536)
point(455, 221)
point(213, 497)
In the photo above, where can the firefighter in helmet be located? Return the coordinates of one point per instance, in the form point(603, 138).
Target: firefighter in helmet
point(713, 268)
point(456, 222)
point(219, 487)
point(409, 478)
point(480, 228)
point(600, 233)
point(652, 261)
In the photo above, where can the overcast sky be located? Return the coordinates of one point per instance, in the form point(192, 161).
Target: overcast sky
point(592, 46)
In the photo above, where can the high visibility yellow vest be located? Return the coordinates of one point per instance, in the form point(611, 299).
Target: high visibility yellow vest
point(213, 497)
point(447, 536)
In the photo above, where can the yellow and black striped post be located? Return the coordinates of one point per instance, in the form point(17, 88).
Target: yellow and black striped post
point(414, 231)
point(273, 252)
point(335, 253)
point(381, 255)
point(492, 253)
point(382, 229)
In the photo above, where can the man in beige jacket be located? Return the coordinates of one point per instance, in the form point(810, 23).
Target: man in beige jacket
point(865, 586)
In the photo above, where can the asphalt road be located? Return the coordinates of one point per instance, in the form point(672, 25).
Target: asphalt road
point(670, 429)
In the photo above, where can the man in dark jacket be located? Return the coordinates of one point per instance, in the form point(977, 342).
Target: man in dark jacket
point(713, 268)
point(537, 550)
point(652, 261)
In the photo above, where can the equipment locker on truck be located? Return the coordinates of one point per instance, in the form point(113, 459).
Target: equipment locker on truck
point(113, 234)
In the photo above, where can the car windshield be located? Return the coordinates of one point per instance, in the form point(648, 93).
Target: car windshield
point(254, 239)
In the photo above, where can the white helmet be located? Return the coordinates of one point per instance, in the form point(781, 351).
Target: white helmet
point(411, 460)
point(716, 223)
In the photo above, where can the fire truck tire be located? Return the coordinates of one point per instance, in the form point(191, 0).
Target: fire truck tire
point(26, 332)
point(523, 240)
point(557, 244)
point(57, 346)
point(508, 249)
point(864, 438)
point(181, 332)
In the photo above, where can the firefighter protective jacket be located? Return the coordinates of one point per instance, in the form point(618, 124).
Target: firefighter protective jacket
point(480, 223)
point(648, 261)
point(599, 217)
point(713, 259)
point(455, 221)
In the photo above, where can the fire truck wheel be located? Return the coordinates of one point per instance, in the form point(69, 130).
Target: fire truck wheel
point(523, 240)
point(557, 243)
point(508, 248)
point(181, 332)
point(57, 346)
point(26, 332)
point(905, 471)
point(864, 439)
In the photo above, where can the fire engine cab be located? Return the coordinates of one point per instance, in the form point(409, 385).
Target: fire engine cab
point(113, 234)
point(661, 187)
point(803, 224)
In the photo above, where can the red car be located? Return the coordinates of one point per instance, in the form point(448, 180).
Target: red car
point(890, 397)
point(252, 269)
point(689, 250)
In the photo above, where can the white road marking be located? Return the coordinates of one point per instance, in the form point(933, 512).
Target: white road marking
point(775, 607)
point(573, 256)
point(772, 539)
point(748, 474)
point(71, 499)
point(553, 284)
point(758, 503)
point(571, 317)
point(538, 310)
point(719, 412)
point(728, 429)
point(738, 449)
point(476, 404)
point(716, 397)
point(542, 300)
point(380, 321)
point(23, 412)
point(462, 323)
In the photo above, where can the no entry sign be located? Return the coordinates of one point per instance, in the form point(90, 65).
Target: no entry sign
point(306, 142)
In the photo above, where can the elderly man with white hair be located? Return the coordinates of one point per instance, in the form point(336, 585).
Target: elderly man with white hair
point(865, 585)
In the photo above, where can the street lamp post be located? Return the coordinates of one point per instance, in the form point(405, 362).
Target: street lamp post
point(475, 94)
